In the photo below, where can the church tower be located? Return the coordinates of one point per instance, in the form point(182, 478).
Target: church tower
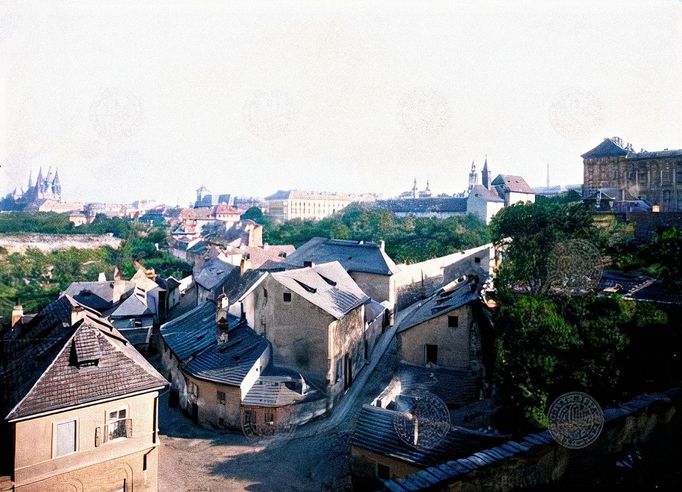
point(473, 177)
point(56, 186)
point(485, 174)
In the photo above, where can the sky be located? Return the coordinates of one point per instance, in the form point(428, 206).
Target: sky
point(150, 100)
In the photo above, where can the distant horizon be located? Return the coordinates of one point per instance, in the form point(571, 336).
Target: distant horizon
point(154, 99)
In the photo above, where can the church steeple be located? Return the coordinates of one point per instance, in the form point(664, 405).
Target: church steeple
point(414, 189)
point(30, 179)
point(56, 185)
point(485, 174)
point(473, 176)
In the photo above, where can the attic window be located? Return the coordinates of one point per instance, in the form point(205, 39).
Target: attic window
point(310, 289)
point(477, 260)
point(307, 264)
point(328, 280)
point(286, 296)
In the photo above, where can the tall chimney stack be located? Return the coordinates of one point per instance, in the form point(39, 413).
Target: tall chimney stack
point(17, 314)
point(222, 307)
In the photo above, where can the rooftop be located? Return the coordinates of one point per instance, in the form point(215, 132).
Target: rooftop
point(514, 184)
point(424, 205)
point(448, 298)
point(354, 256)
point(327, 286)
point(97, 295)
point(214, 272)
point(68, 355)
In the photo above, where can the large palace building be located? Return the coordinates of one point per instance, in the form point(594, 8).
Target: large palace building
point(613, 170)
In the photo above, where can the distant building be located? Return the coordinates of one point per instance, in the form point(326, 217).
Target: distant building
point(616, 170)
point(205, 198)
point(45, 195)
point(296, 204)
point(440, 207)
point(79, 405)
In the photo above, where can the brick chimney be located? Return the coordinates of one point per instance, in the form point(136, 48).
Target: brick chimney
point(77, 313)
point(17, 314)
point(222, 306)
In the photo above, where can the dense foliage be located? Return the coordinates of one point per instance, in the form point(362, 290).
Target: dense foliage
point(54, 223)
point(408, 239)
point(35, 278)
point(551, 342)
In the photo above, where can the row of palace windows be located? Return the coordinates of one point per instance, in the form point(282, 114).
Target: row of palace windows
point(117, 426)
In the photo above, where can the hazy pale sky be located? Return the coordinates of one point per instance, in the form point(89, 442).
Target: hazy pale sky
point(152, 99)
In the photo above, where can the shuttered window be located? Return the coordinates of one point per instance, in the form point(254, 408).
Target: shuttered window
point(66, 438)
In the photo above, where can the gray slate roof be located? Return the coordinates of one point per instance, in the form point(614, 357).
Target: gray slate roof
point(277, 387)
point(608, 148)
point(214, 273)
point(193, 331)
point(448, 298)
point(375, 431)
point(96, 295)
point(354, 256)
point(228, 363)
point(659, 154)
point(327, 286)
point(453, 386)
point(193, 339)
point(132, 307)
point(40, 371)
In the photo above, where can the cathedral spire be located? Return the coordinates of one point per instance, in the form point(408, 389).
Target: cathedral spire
point(30, 179)
point(485, 181)
point(473, 176)
point(39, 179)
point(56, 185)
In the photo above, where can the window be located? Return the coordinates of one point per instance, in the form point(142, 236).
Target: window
point(307, 264)
point(269, 416)
point(453, 321)
point(194, 390)
point(432, 353)
point(118, 425)
point(383, 472)
point(221, 397)
point(286, 297)
point(477, 259)
point(66, 438)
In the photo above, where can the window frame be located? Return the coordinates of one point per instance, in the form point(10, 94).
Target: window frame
point(108, 420)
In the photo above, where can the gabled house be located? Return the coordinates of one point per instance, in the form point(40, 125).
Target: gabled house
point(443, 330)
point(314, 318)
point(484, 202)
point(513, 189)
point(79, 405)
point(366, 262)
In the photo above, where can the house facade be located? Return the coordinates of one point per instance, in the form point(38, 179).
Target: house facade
point(79, 405)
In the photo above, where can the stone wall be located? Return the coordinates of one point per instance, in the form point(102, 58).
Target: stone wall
point(19, 243)
point(538, 461)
